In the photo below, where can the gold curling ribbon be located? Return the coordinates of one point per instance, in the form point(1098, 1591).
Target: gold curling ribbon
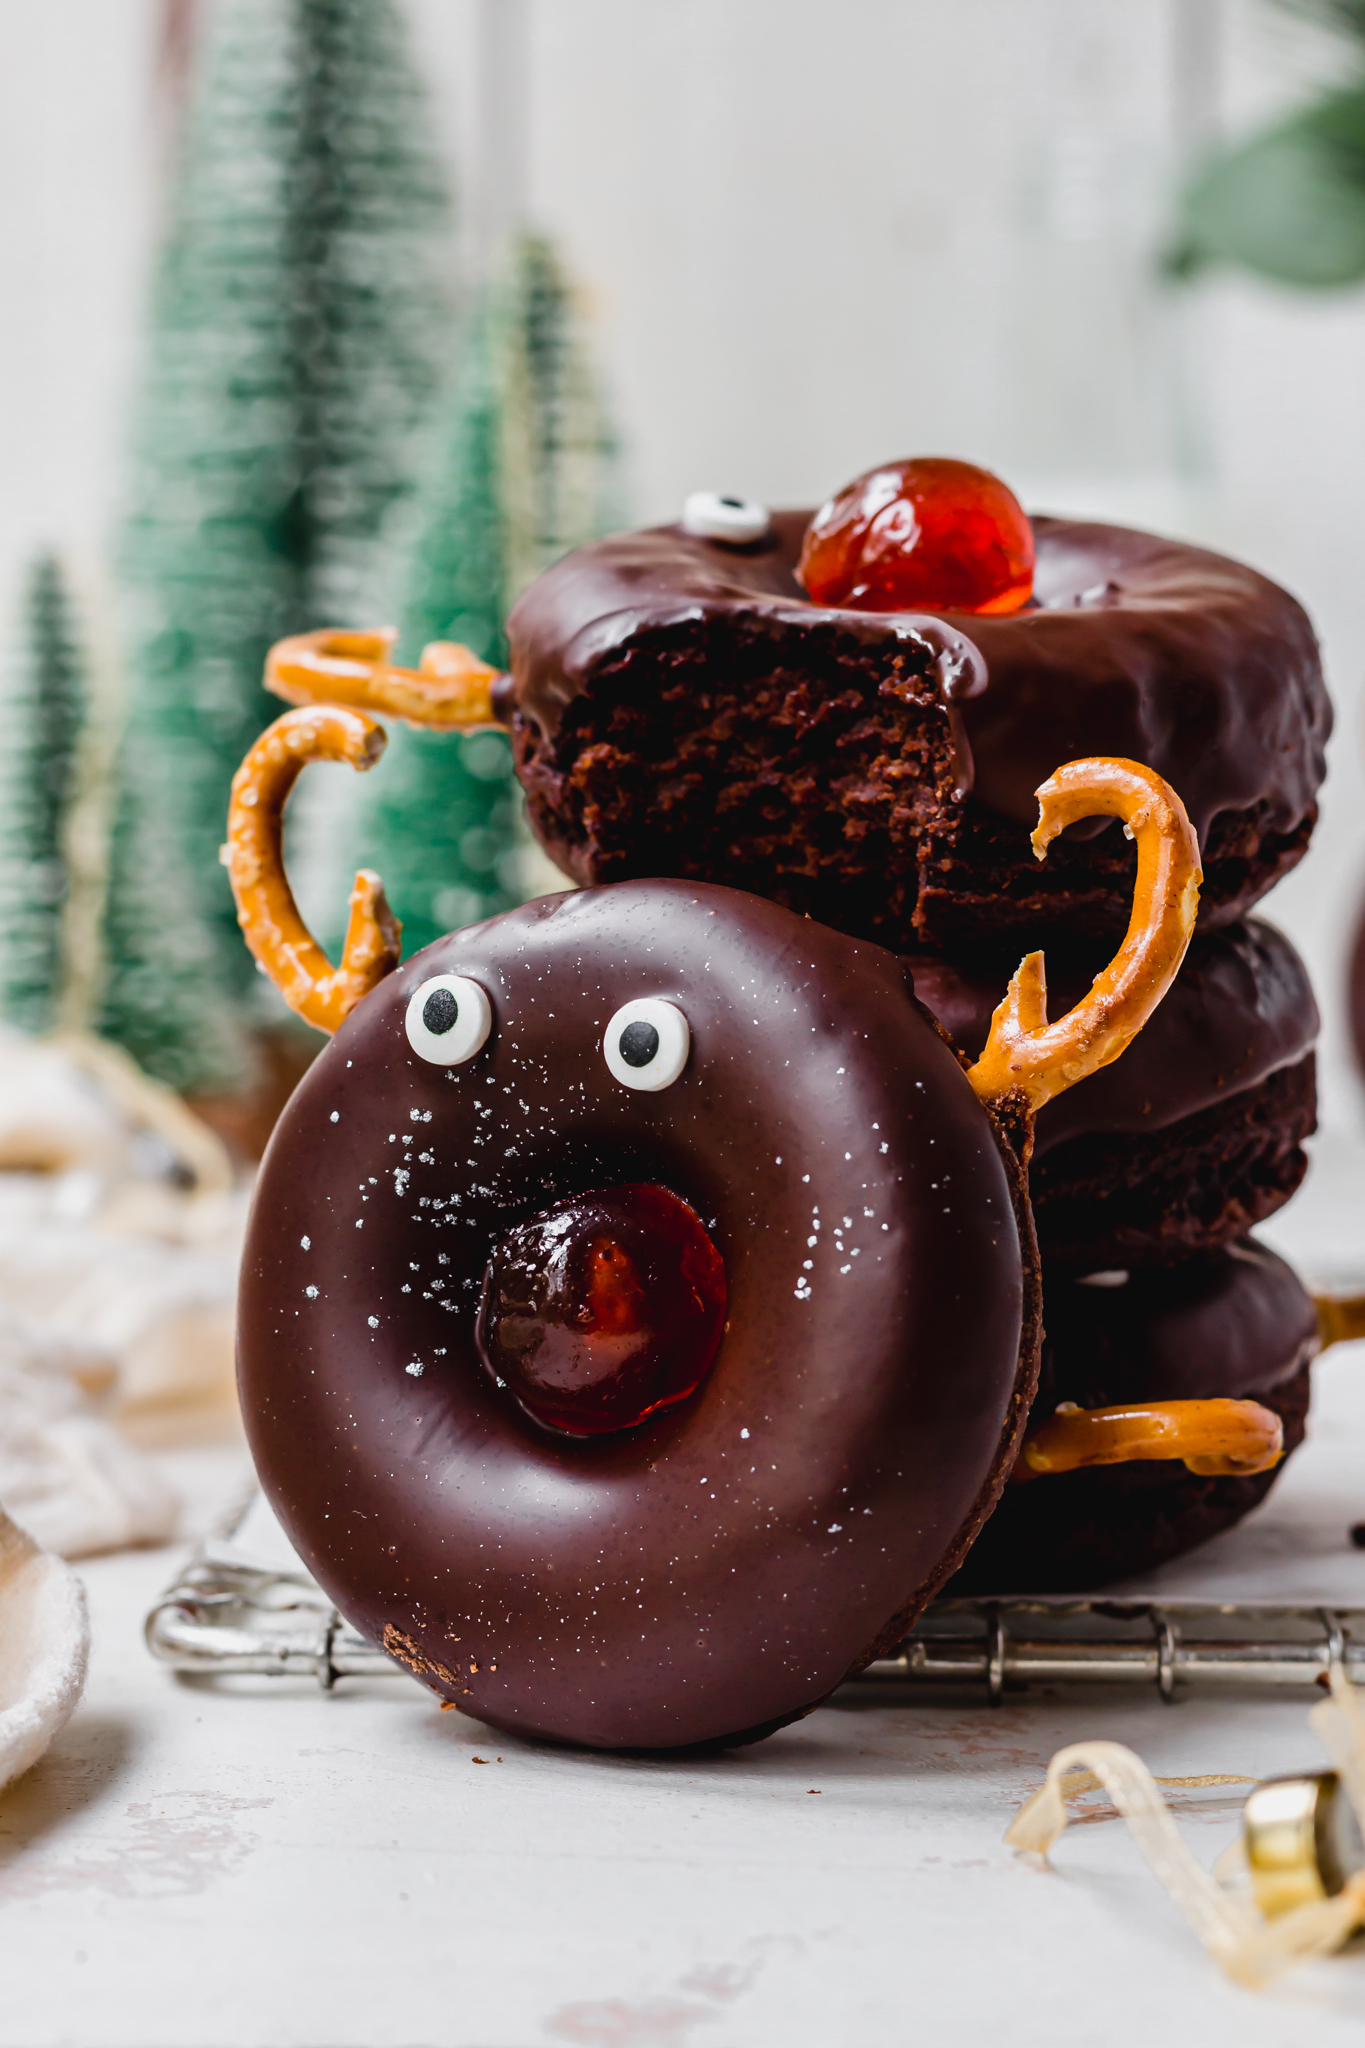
point(1249, 1948)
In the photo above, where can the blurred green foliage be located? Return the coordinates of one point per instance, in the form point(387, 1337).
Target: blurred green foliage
point(1289, 203)
point(44, 709)
point(299, 329)
point(527, 470)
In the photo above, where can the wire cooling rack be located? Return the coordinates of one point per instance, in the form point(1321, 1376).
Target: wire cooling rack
point(226, 1616)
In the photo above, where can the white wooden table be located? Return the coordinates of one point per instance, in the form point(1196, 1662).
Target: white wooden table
point(258, 1865)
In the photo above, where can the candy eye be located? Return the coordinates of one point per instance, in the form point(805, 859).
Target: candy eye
point(733, 521)
point(646, 1044)
point(448, 1019)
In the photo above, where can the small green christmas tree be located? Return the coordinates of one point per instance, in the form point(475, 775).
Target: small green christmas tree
point(43, 712)
point(168, 1000)
point(528, 472)
point(558, 457)
point(298, 324)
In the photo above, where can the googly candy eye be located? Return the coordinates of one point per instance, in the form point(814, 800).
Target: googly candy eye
point(448, 1019)
point(734, 521)
point(646, 1044)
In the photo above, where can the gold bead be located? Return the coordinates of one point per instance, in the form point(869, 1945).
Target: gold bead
point(1302, 1841)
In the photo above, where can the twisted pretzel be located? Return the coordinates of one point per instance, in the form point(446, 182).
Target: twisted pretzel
point(1024, 1054)
point(322, 995)
point(1214, 1437)
point(451, 690)
point(1341, 1317)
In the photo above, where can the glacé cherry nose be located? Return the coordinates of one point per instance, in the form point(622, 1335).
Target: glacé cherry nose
point(604, 1309)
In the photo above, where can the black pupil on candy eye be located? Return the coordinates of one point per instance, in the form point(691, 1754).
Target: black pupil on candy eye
point(439, 1011)
point(638, 1042)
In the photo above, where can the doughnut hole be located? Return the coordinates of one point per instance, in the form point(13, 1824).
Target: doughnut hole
point(603, 1309)
point(926, 535)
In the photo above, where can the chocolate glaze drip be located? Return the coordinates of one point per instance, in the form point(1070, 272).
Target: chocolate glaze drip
point(721, 1567)
point(1137, 646)
point(1240, 1009)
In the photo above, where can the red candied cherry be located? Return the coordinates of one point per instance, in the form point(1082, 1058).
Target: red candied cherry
point(930, 534)
point(602, 1310)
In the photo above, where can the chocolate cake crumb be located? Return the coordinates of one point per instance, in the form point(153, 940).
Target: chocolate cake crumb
point(802, 772)
point(421, 1666)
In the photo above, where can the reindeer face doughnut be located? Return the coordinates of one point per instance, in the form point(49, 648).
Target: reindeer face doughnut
point(640, 1308)
point(635, 1319)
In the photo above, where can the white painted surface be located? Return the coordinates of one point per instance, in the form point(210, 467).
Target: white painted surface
point(260, 1866)
point(257, 1865)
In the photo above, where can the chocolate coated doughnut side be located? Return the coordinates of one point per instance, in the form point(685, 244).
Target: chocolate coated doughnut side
point(1240, 1009)
point(1195, 1134)
point(1233, 1323)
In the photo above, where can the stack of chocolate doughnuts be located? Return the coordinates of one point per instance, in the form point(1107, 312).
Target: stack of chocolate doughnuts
point(640, 1308)
point(680, 706)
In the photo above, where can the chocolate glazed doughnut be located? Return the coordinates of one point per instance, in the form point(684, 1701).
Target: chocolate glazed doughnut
point(679, 706)
point(1192, 1137)
point(1234, 1323)
point(639, 1310)
point(872, 1233)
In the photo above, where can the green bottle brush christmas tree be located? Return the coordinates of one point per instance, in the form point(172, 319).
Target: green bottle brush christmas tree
point(44, 704)
point(528, 472)
point(300, 322)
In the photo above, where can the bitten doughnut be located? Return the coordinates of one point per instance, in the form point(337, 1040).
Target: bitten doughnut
point(679, 706)
point(604, 1272)
point(1192, 1137)
point(1233, 1324)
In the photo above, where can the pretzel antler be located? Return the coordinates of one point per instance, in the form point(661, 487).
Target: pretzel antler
point(1026, 1056)
point(451, 690)
point(323, 995)
point(1214, 1437)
